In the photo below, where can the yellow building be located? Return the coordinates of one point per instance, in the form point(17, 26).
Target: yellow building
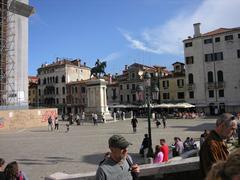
point(172, 86)
point(32, 91)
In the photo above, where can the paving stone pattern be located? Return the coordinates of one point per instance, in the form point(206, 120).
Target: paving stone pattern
point(41, 152)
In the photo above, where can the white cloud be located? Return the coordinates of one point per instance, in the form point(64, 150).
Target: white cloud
point(112, 56)
point(168, 37)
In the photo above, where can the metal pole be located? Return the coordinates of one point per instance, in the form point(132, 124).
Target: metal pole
point(150, 149)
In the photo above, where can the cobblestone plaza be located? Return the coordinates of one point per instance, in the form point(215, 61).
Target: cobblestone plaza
point(41, 152)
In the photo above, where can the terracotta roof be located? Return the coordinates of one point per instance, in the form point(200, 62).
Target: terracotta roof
point(220, 30)
point(216, 32)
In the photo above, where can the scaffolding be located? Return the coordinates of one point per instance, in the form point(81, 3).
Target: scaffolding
point(11, 93)
point(7, 55)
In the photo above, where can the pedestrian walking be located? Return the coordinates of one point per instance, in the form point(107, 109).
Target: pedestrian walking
point(158, 123)
point(68, 127)
point(134, 123)
point(82, 118)
point(214, 148)
point(78, 119)
point(164, 121)
point(119, 164)
point(95, 118)
point(56, 124)
point(50, 123)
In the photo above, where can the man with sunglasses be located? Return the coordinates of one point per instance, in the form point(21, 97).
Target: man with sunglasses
point(214, 148)
point(119, 165)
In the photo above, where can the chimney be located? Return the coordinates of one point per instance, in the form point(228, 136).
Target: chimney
point(126, 67)
point(84, 64)
point(109, 78)
point(196, 30)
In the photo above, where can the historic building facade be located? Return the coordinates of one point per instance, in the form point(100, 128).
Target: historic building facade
point(53, 79)
point(172, 86)
point(212, 69)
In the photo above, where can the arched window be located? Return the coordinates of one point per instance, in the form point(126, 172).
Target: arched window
point(56, 79)
point(210, 76)
point(44, 81)
point(63, 78)
point(220, 76)
point(190, 78)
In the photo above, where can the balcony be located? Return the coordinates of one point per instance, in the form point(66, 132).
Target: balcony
point(211, 85)
point(190, 87)
point(220, 85)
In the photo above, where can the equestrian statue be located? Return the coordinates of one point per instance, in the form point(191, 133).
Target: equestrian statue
point(98, 69)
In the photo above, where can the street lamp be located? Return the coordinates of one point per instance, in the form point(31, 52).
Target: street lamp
point(151, 94)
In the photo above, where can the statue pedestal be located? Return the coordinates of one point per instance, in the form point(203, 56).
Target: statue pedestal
point(97, 100)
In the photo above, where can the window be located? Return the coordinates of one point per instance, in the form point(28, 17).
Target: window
point(76, 90)
point(56, 79)
point(121, 98)
point(39, 92)
point(165, 95)
point(189, 60)
point(218, 56)
point(210, 77)
point(238, 53)
point(180, 82)
point(221, 93)
point(180, 95)
point(238, 36)
point(191, 94)
point(127, 86)
point(211, 93)
point(208, 57)
point(165, 84)
point(72, 90)
point(114, 94)
point(207, 41)
point(57, 101)
point(83, 89)
point(189, 44)
point(133, 87)
point(121, 87)
point(220, 76)
point(39, 81)
point(134, 97)
point(229, 37)
point(190, 78)
point(63, 78)
point(57, 90)
point(217, 39)
point(63, 90)
point(128, 98)
point(44, 81)
point(63, 100)
point(133, 75)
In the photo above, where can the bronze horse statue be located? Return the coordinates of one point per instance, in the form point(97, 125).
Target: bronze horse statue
point(99, 69)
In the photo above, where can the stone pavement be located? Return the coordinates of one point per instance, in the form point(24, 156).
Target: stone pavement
point(41, 152)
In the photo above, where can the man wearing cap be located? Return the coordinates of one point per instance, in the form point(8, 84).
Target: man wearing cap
point(214, 148)
point(119, 165)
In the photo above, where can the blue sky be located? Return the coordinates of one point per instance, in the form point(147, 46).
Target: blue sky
point(121, 31)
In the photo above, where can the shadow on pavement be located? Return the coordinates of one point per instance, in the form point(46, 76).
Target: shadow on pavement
point(47, 161)
point(200, 127)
